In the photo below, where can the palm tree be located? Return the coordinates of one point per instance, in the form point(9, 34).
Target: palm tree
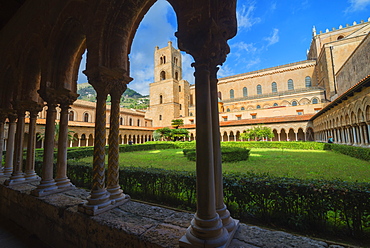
point(41, 136)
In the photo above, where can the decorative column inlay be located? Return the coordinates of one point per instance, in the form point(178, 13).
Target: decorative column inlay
point(113, 186)
point(8, 168)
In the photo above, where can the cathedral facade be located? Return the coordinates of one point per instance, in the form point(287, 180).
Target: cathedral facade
point(284, 98)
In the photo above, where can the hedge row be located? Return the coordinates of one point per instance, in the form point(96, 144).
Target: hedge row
point(325, 206)
point(228, 154)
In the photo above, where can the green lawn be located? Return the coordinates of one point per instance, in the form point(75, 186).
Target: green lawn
point(304, 164)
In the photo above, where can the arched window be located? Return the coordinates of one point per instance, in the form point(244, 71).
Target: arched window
point(130, 122)
point(138, 122)
point(177, 76)
point(294, 103)
point(86, 117)
point(275, 104)
point(191, 114)
point(231, 93)
point(228, 110)
point(160, 117)
point(259, 89)
point(160, 99)
point(71, 116)
point(163, 75)
point(242, 108)
point(161, 60)
point(245, 92)
point(308, 82)
point(290, 84)
point(315, 101)
point(340, 37)
point(258, 106)
point(274, 87)
point(164, 59)
point(180, 107)
point(179, 88)
point(219, 95)
point(121, 121)
point(175, 60)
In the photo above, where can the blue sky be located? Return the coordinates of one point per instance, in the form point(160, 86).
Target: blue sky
point(270, 33)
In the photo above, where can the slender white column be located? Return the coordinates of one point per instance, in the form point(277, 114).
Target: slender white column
point(17, 176)
point(47, 181)
point(79, 142)
point(30, 173)
point(8, 168)
point(206, 224)
point(354, 136)
point(296, 136)
point(61, 179)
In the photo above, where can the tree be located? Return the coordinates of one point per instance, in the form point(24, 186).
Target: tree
point(179, 134)
point(257, 133)
point(163, 133)
point(176, 123)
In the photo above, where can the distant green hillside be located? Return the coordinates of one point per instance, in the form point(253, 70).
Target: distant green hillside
point(130, 98)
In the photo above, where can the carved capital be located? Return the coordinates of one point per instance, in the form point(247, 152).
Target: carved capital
point(203, 31)
point(106, 80)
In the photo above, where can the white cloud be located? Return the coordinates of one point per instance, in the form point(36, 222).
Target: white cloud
point(245, 17)
point(357, 5)
point(187, 70)
point(274, 38)
point(243, 47)
point(225, 71)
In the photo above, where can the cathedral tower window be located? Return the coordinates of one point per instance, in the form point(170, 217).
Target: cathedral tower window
point(259, 89)
point(138, 122)
point(160, 117)
point(160, 99)
point(231, 93)
point(274, 87)
point(130, 122)
point(177, 76)
point(245, 92)
point(308, 82)
point(219, 95)
point(179, 88)
point(163, 75)
point(290, 84)
point(294, 103)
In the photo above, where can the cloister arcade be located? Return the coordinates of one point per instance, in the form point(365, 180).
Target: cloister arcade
point(41, 49)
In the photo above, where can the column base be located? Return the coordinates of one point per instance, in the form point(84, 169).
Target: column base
point(45, 188)
point(15, 178)
point(206, 234)
point(31, 175)
point(63, 183)
point(103, 207)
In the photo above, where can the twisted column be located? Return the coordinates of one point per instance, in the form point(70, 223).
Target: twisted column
point(30, 173)
point(61, 179)
point(17, 176)
point(99, 197)
point(47, 183)
point(8, 168)
point(113, 186)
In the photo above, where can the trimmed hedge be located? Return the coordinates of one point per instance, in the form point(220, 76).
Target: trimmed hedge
point(228, 154)
point(337, 207)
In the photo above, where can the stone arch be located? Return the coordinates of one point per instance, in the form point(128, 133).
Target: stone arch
point(276, 135)
point(283, 135)
point(291, 135)
point(91, 140)
point(225, 136)
point(304, 101)
point(300, 135)
point(83, 140)
point(75, 140)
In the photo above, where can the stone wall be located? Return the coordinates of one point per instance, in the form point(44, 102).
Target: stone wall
point(356, 68)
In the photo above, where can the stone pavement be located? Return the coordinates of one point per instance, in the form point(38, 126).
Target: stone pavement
point(56, 221)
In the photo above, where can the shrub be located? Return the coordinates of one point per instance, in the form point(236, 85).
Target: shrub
point(228, 154)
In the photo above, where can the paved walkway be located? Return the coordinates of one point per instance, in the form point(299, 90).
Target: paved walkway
point(14, 236)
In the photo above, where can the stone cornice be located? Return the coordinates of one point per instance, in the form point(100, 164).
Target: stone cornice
point(269, 71)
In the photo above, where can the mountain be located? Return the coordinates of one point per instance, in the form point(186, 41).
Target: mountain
point(129, 99)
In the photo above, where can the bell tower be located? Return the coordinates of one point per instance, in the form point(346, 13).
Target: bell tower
point(168, 98)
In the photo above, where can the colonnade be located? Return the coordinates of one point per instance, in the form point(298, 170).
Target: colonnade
point(357, 135)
